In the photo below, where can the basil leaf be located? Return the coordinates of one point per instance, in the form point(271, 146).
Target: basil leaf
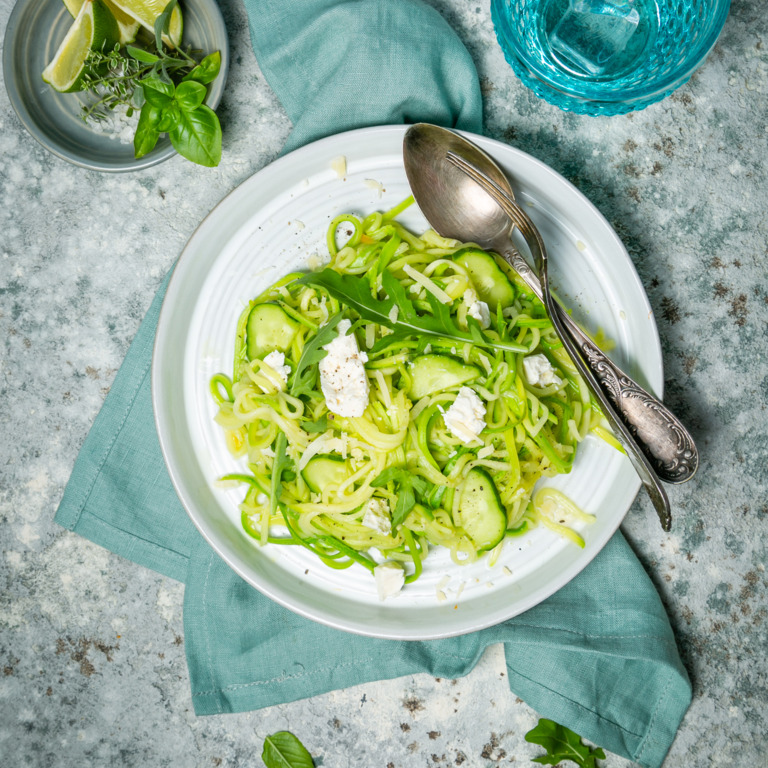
point(158, 92)
point(169, 118)
point(207, 70)
point(141, 55)
point(189, 95)
point(355, 293)
point(562, 743)
point(197, 136)
point(147, 134)
point(163, 23)
point(284, 750)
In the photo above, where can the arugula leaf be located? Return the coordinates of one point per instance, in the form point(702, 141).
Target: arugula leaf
point(409, 486)
point(562, 743)
point(321, 425)
point(279, 465)
point(305, 375)
point(284, 750)
point(354, 293)
point(303, 382)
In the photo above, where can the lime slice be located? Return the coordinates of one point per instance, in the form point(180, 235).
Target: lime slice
point(127, 25)
point(94, 28)
point(146, 13)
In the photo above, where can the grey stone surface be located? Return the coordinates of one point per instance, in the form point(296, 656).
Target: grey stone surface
point(91, 646)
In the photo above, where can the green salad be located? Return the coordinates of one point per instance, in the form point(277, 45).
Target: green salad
point(408, 395)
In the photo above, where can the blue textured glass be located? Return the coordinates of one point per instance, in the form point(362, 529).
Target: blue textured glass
point(606, 57)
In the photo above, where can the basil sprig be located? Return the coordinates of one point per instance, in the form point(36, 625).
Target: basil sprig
point(168, 86)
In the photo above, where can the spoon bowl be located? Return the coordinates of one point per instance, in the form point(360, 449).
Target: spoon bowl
point(454, 205)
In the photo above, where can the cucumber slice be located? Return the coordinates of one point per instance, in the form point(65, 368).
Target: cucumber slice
point(434, 373)
point(268, 329)
point(492, 285)
point(324, 470)
point(482, 514)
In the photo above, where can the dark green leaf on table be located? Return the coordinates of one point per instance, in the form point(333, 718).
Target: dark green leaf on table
point(284, 750)
point(561, 744)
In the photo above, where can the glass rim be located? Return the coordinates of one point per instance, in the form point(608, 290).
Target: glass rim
point(639, 93)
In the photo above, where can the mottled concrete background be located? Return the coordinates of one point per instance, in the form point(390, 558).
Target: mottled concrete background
point(91, 646)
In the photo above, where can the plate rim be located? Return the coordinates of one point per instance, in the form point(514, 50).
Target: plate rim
point(157, 378)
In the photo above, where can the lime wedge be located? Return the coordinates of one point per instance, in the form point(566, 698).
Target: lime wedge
point(146, 13)
point(94, 28)
point(127, 25)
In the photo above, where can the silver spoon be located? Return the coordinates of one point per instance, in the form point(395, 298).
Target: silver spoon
point(457, 207)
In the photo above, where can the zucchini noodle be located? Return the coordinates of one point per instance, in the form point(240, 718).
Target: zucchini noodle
point(390, 483)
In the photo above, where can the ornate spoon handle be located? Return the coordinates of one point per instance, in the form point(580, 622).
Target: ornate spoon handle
point(663, 439)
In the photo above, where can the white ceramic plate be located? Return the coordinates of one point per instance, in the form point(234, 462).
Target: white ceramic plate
point(274, 223)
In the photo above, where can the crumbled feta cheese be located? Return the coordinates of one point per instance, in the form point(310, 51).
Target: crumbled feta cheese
point(477, 309)
point(342, 374)
point(390, 578)
point(465, 418)
point(375, 185)
point(376, 516)
point(276, 361)
point(339, 165)
point(539, 371)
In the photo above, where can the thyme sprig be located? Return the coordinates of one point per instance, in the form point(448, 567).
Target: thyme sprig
point(114, 77)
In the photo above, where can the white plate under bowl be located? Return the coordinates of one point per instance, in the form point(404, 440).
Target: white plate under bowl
point(274, 223)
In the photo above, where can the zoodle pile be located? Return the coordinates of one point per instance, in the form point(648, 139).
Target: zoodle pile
point(464, 399)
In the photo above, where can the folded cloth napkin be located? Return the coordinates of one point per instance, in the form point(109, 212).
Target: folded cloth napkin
point(599, 656)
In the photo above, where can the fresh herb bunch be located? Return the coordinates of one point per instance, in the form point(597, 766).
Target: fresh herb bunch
point(168, 87)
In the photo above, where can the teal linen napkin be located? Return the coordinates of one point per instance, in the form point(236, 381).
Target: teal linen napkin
point(599, 656)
